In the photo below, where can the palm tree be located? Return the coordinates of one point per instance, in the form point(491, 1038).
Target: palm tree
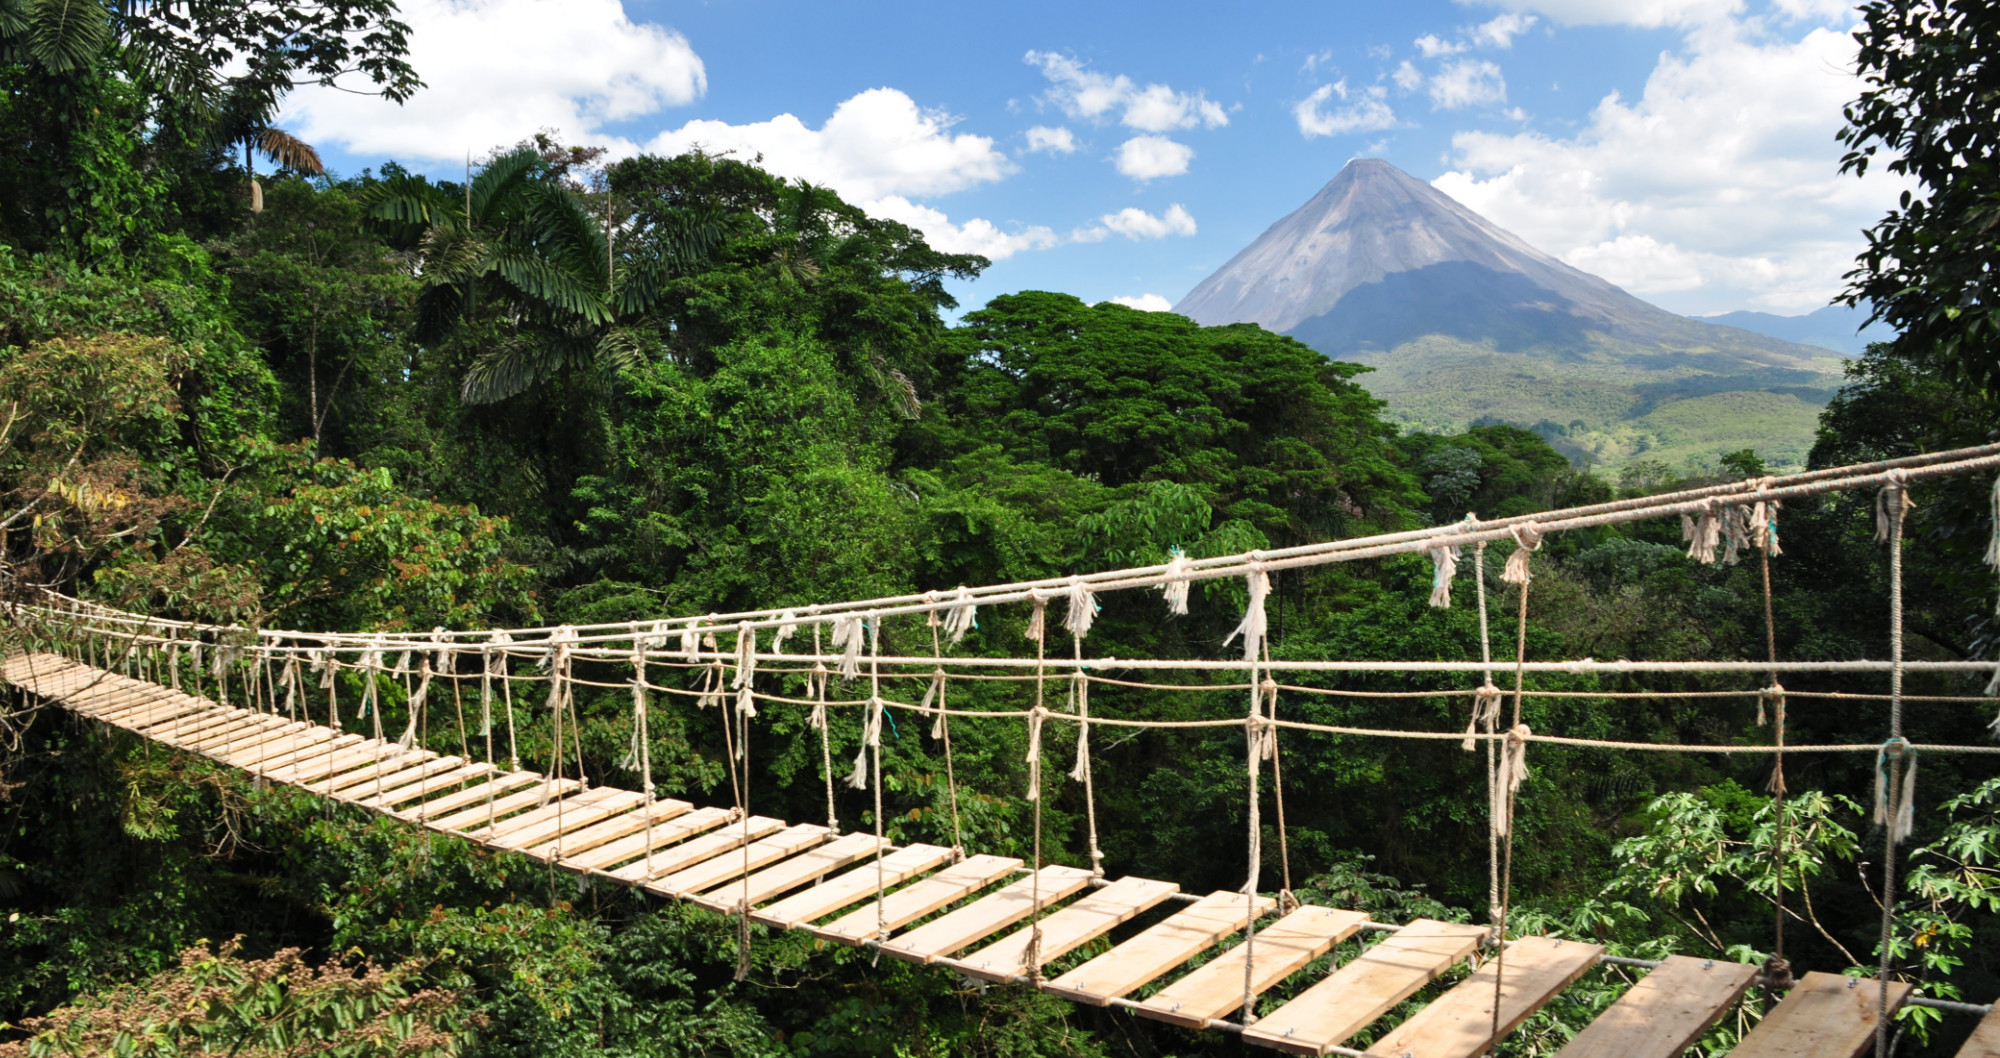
point(536, 245)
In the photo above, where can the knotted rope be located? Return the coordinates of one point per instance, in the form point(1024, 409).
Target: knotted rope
point(941, 723)
point(1175, 587)
point(1444, 563)
point(1892, 505)
point(816, 688)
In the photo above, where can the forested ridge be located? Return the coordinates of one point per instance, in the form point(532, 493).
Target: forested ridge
point(574, 390)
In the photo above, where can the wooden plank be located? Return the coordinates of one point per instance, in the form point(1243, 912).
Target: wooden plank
point(803, 869)
point(1985, 1041)
point(1354, 996)
point(357, 755)
point(1459, 1024)
point(292, 757)
point(241, 729)
point(476, 816)
point(905, 906)
point(258, 740)
point(632, 850)
point(251, 758)
point(177, 713)
point(102, 694)
point(1157, 950)
point(163, 706)
point(472, 795)
point(1824, 1015)
point(189, 727)
point(252, 732)
point(1278, 951)
point(1666, 1012)
point(697, 850)
point(556, 807)
point(1066, 930)
point(960, 929)
point(367, 782)
point(760, 853)
point(442, 782)
point(603, 833)
point(853, 887)
point(619, 802)
point(370, 778)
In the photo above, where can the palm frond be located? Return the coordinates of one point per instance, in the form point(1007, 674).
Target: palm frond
point(289, 151)
point(511, 367)
point(497, 183)
point(66, 35)
point(543, 281)
point(409, 202)
point(565, 232)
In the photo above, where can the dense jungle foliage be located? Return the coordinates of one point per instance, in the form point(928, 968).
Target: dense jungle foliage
point(574, 391)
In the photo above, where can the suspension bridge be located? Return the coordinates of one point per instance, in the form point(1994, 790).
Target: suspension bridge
point(267, 702)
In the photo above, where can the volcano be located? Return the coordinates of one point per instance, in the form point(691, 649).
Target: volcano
point(1465, 322)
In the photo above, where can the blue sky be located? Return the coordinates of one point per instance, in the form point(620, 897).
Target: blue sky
point(1682, 148)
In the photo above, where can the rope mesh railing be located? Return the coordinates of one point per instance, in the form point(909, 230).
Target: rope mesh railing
point(724, 655)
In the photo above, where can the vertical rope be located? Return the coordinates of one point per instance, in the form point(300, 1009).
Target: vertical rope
point(816, 682)
point(942, 730)
point(1518, 572)
point(1893, 501)
point(1777, 969)
point(873, 626)
point(1036, 624)
point(1254, 732)
point(1080, 697)
point(746, 674)
point(645, 740)
point(1488, 707)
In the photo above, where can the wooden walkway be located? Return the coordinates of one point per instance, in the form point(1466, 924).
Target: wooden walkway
point(972, 916)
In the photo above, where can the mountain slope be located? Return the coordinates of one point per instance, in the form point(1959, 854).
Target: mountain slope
point(1836, 327)
point(1465, 321)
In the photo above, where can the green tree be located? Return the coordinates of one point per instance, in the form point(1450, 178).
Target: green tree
point(1930, 112)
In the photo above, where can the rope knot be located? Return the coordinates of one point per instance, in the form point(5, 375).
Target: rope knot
point(1528, 540)
point(931, 617)
point(1175, 587)
point(1899, 817)
point(1444, 567)
point(963, 615)
point(1702, 535)
point(1485, 712)
point(1513, 770)
point(1083, 607)
point(1775, 695)
point(1895, 494)
point(1037, 621)
point(1254, 623)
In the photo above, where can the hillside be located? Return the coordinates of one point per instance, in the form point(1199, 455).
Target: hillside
point(1465, 322)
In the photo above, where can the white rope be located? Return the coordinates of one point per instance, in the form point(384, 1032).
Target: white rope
point(1082, 609)
point(847, 635)
point(1175, 586)
point(1254, 623)
point(1513, 769)
point(963, 616)
point(1444, 563)
point(1528, 540)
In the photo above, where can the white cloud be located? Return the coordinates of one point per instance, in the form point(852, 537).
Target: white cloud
point(1467, 82)
point(1650, 14)
point(974, 236)
point(1500, 32)
point(1408, 77)
point(1718, 187)
point(1135, 224)
point(1368, 113)
point(1085, 93)
point(877, 144)
point(499, 70)
point(1056, 140)
point(1432, 46)
point(1151, 157)
point(1145, 303)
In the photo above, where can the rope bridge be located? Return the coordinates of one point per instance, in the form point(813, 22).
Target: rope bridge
point(255, 699)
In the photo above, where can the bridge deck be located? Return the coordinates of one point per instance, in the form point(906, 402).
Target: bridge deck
point(918, 905)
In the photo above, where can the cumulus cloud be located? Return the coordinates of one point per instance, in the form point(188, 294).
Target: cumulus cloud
point(1500, 32)
point(498, 70)
point(1368, 112)
point(1056, 140)
point(1650, 14)
point(1408, 77)
point(1084, 93)
point(1432, 46)
point(1135, 224)
point(1145, 303)
point(877, 144)
point(974, 236)
point(1152, 157)
point(1718, 186)
point(1466, 83)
